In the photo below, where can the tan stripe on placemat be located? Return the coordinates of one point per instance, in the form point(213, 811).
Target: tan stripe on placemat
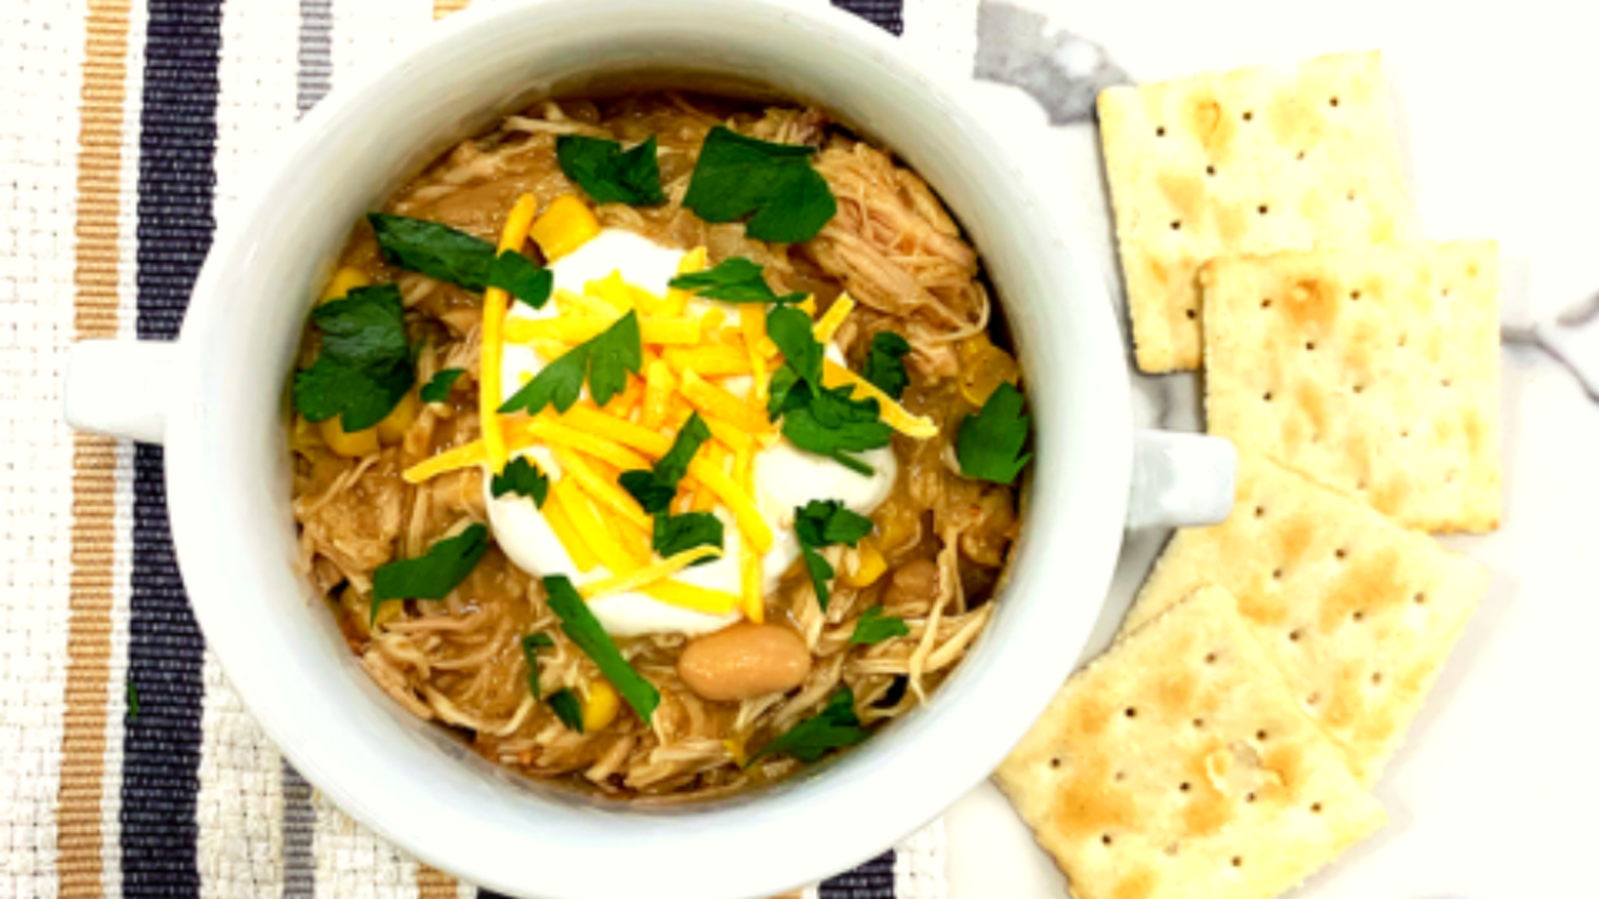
point(93, 477)
point(442, 8)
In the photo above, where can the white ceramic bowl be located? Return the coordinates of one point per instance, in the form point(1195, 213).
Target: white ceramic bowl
point(216, 398)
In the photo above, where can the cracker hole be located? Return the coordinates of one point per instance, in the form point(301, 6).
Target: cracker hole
point(1105, 839)
point(1446, 292)
point(1293, 635)
point(1276, 574)
point(1419, 599)
point(1249, 797)
point(1301, 156)
point(1131, 712)
point(1199, 723)
point(1192, 314)
point(1265, 304)
point(1267, 396)
point(1359, 616)
point(1120, 776)
point(1447, 382)
point(1171, 849)
point(1405, 434)
point(1354, 295)
point(1315, 808)
point(1054, 763)
point(1350, 197)
point(1260, 511)
point(1260, 735)
point(1404, 340)
point(1361, 486)
point(1263, 209)
point(1210, 170)
point(1332, 101)
point(1312, 699)
point(1238, 861)
point(1340, 553)
point(1177, 225)
point(1376, 679)
point(1249, 115)
point(1161, 131)
point(1359, 389)
point(1310, 346)
point(1210, 658)
point(1184, 787)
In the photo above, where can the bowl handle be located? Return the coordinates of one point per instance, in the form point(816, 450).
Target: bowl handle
point(1180, 480)
point(120, 387)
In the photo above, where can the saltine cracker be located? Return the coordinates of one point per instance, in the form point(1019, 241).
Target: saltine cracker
point(1250, 161)
point(1374, 371)
point(1178, 765)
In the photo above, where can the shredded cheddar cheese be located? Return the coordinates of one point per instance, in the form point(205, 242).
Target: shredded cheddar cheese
point(691, 596)
point(894, 415)
point(495, 301)
point(828, 325)
point(649, 574)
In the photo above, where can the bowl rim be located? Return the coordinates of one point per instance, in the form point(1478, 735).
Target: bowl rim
point(897, 806)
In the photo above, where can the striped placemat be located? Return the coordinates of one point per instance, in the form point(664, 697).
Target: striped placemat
point(128, 767)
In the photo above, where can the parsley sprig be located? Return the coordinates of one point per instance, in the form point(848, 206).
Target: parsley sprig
point(605, 360)
point(773, 184)
point(989, 444)
point(734, 280)
point(449, 254)
point(885, 363)
point(582, 628)
point(875, 627)
point(434, 574)
point(364, 367)
point(531, 644)
point(568, 708)
point(521, 478)
point(608, 174)
point(655, 487)
point(437, 389)
point(827, 422)
point(820, 524)
point(835, 727)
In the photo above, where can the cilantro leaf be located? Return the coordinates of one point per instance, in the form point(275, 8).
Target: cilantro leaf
point(523, 479)
point(829, 423)
point(989, 444)
point(437, 389)
point(364, 366)
point(609, 175)
point(434, 249)
point(531, 644)
point(790, 329)
point(820, 524)
point(885, 363)
point(434, 574)
point(680, 533)
point(522, 278)
point(560, 382)
point(606, 360)
point(835, 727)
point(653, 494)
point(612, 354)
point(735, 280)
point(655, 488)
point(875, 627)
point(774, 184)
point(580, 625)
point(568, 708)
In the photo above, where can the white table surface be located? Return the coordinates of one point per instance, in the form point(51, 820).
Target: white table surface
point(1495, 793)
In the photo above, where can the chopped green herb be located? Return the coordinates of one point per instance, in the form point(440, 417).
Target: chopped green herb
point(835, 727)
point(829, 423)
point(434, 249)
point(437, 389)
point(364, 367)
point(655, 488)
point(989, 444)
point(680, 533)
point(133, 700)
point(820, 524)
point(568, 708)
point(735, 280)
point(875, 627)
point(791, 330)
point(522, 478)
point(582, 628)
point(885, 363)
point(774, 184)
point(434, 574)
point(606, 360)
point(610, 175)
point(531, 644)
point(522, 278)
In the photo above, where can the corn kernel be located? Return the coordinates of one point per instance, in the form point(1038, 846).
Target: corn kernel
point(983, 368)
point(869, 565)
point(391, 430)
point(353, 445)
point(566, 224)
point(346, 279)
point(599, 706)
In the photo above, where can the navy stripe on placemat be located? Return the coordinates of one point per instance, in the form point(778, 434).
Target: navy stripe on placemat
point(873, 880)
point(888, 15)
point(161, 749)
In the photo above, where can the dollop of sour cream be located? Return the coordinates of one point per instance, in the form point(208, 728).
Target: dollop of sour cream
point(785, 477)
